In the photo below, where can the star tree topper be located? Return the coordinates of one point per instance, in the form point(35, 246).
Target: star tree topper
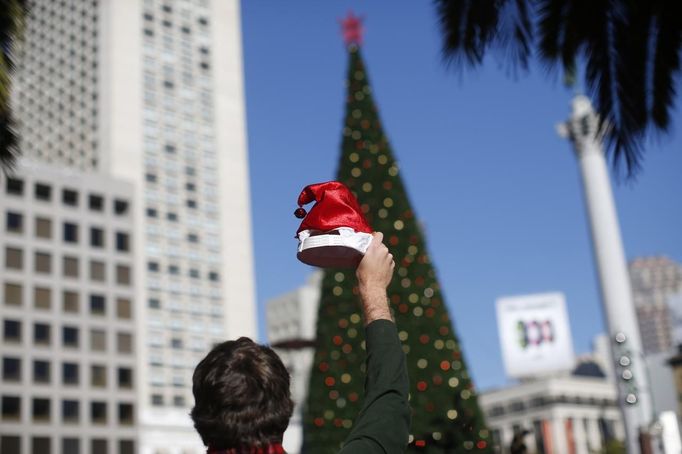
point(352, 29)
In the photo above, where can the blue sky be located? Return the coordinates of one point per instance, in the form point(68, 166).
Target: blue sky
point(498, 190)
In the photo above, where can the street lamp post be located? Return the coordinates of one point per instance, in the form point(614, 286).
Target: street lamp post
point(586, 134)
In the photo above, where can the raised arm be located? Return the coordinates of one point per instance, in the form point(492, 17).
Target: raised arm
point(382, 426)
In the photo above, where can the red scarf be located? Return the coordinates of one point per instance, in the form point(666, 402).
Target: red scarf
point(268, 449)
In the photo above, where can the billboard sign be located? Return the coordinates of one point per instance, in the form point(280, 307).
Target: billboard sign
point(534, 334)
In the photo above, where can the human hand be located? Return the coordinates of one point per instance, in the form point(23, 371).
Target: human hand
point(374, 274)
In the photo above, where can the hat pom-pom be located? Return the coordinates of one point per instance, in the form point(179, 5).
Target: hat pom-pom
point(300, 213)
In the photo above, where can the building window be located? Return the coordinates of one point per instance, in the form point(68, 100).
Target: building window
point(98, 413)
point(70, 373)
point(15, 186)
point(125, 377)
point(70, 266)
point(40, 445)
point(10, 443)
point(43, 262)
point(42, 334)
point(96, 237)
point(42, 298)
point(43, 192)
point(11, 407)
point(99, 445)
point(13, 294)
point(122, 275)
point(98, 376)
point(193, 238)
point(11, 369)
point(122, 242)
point(97, 271)
point(173, 269)
point(153, 266)
point(191, 203)
point(178, 401)
point(97, 305)
point(70, 336)
point(70, 411)
point(41, 371)
point(14, 258)
point(14, 222)
point(126, 447)
point(41, 410)
point(12, 331)
point(152, 213)
point(43, 228)
point(125, 414)
point(70, 301)
point(70, 197)
point(157, 400)
point(98, 340)
point(71, 446)
point(120, 207)
point(124, 342)
point(172, 216)
point(123, 308)
point(96, 202)
point(194, 273)
point(214, 276)
point(70, 232)
point(154, 303)
point(176, 343)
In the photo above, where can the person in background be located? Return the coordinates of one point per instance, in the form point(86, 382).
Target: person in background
point(241, 389)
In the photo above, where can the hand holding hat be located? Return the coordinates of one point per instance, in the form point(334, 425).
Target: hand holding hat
point(334, 233)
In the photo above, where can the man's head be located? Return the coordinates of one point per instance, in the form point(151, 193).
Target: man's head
point(241, 394)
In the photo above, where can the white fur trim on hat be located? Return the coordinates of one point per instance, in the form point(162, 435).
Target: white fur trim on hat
point(344, 248)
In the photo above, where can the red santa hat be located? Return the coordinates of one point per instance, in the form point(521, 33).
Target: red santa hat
point(334, 233)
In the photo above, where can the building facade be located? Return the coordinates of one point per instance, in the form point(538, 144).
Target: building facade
point(654, 281)
point(563, 415)
point(292, 324)
point(68, 309)
point(151, 91)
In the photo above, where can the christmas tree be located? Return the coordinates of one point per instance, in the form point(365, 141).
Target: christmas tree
point(445, 414)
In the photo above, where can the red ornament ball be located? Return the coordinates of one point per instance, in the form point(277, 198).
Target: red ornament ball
point(300, 213)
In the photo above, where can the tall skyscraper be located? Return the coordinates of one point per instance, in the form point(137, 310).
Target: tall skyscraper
point(151, 91)
point(654, 281)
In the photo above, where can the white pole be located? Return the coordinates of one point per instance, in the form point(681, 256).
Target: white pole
point(582, 129)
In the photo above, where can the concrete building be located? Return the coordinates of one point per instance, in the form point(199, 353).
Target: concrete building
point(569, 414)
point(151, 91)
point(654, 281)
point(69, 310)
point(292, 324)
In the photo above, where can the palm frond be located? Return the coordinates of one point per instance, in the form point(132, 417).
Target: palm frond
point(666, 61)
point(630, 49)
point(631, 24)
point(12, 18)
point(469, 28)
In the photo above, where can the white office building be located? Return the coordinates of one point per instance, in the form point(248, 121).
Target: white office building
point(151, 91)
point(569, 414)
point(292, 324)
point(68, 312)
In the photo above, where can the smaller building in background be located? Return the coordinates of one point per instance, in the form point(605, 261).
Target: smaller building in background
point(575, 413)
point(68, 313)
point(655, 280)
point(291, 324)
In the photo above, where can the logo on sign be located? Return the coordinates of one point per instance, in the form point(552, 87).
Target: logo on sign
point(534, 333)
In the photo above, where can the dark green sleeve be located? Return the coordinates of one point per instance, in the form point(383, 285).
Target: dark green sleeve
point(383, 424)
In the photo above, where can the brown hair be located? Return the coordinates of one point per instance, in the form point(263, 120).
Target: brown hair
point(242, 397)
